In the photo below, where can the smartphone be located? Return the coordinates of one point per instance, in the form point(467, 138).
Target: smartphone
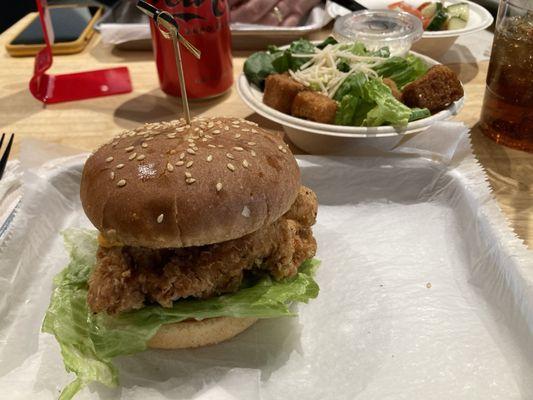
point(73, 27)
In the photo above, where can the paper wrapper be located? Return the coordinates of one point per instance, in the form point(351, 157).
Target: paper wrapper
point(425, 292)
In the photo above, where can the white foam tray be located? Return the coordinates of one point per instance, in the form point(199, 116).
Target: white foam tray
point(425, 293)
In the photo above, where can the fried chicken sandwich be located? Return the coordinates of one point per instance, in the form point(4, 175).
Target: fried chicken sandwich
point(203, 229)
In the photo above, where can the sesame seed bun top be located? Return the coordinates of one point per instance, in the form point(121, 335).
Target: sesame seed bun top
point(169, 184)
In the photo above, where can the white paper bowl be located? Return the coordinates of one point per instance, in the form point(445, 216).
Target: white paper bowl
point(318, 138)
point(433, 44)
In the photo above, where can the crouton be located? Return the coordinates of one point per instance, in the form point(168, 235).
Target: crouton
point(394, 89)
point(435, 90)
point(280, 90)
point(314, 106)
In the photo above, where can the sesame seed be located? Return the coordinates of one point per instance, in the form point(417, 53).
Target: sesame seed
point(180, 163)
point(230, 167)
point(149, 138)
point(195, 148)
point(190, 180)
point(252, 153)
point(132, 156)
point(191, 144)
point(189, 164)
point(226, 128)
point(172, 151)
point(284, 150)
point(128, 149)
point(120, 166)
point(188, 175)
point(220, 146)
point(170, 167)
point(230, 156)
point(109, 159)
point(211, 145)
point(121, 183)
point(171, 136)
point(280, 147)
point(210, 125)
point(245, 130)
point(160, 218)
point(251, 143)
point(190, 151)
point(209, 158)
point(254, 131)
point(216, 131)
point(196, 129)
point(245, 163)
point(190, 140)
point(219, 186)
point(144, 145)
point(237, 148)
point(141, 157)
point(237, 135)
point(204, 139)
point(182, 156)
point(112, 175)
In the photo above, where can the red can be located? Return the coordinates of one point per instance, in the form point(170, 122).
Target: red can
point(205, 23)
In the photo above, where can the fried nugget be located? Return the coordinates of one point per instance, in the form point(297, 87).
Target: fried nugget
point(435, 90)
point(314, 107)
point(394, 89)
point(280, 90)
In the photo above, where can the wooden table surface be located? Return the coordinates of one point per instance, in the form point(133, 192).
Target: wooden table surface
point(85, 124)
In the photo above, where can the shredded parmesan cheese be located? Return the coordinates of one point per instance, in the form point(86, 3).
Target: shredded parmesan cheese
point(321, 73)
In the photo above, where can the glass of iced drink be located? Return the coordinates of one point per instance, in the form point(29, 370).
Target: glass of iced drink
point(507, 113)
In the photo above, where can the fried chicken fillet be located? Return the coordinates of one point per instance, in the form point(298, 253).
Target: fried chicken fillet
point(127, 278)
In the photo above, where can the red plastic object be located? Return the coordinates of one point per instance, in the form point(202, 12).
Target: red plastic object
point(76, 86)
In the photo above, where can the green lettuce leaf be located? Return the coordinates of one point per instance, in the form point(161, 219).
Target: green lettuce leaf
point(352, 85)
point(387, 110)
point(402, 70)
point(88, 342)
point(258, 67)
point(368, 102)
point(346, 110)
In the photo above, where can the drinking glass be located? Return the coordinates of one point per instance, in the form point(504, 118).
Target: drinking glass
point(507, 113)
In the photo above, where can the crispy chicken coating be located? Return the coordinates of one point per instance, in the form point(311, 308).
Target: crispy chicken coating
point(126, 278)
point(393, 88)
point(280, 90)
point(435, 90)
point(314, 106)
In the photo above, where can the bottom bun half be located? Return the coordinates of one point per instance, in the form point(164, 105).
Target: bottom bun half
point(189, 334)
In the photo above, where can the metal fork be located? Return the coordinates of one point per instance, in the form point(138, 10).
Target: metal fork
point(3, 159)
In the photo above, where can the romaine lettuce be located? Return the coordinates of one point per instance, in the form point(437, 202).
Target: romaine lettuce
point(88, 342)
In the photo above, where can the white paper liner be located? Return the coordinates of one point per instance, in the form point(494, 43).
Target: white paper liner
point(425, 292)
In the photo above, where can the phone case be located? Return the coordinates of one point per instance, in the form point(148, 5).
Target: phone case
point(71, 47)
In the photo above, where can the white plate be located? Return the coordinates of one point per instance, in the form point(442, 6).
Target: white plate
point(433, 44)
point(479, 18)
point(301, 131)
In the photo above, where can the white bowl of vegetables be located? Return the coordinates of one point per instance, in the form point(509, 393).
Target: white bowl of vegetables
point(383, 125)
point(443, 21)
